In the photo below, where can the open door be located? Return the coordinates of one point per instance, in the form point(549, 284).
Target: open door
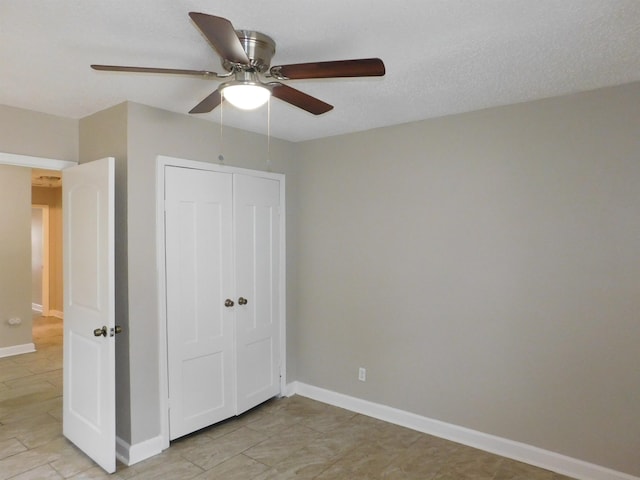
point(89, 310)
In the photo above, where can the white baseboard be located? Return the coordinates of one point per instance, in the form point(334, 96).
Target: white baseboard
point(500, 446)
point(131, 454)
point(57, 314)
point(290, 389)
point(36, 308)
point(17, 350)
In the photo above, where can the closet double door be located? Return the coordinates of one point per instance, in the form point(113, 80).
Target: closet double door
point(222, 243)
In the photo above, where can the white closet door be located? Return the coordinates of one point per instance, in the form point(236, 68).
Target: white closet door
point(198, 233)
point(257, 241)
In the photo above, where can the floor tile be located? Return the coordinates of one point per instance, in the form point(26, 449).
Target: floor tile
point(292, 438)
point(283, 445)
point(512, 470)
point(208, 452)
point(10, 447)
point(239, 467)
point(44, 472)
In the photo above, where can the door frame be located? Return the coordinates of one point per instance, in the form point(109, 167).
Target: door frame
point(163, 161)
point(29, 161)
point(34, 162)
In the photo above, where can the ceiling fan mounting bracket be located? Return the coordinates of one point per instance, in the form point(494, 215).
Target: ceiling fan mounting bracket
point(276, 72)
point(260, 49)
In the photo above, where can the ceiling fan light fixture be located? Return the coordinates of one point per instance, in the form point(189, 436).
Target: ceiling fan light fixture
point(246, 56)
point(247, 96)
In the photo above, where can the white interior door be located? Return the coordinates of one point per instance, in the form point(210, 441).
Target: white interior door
point(200, 354)
point(257, 242)
point(89, 309)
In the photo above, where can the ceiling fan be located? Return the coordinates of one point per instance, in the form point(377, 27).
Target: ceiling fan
point(246, 57)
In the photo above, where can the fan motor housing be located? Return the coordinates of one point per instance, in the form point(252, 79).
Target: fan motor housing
point(259, 47)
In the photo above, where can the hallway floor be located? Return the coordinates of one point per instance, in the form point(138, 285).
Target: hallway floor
point(291, 438)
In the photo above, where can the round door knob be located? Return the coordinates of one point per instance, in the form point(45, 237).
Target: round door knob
point(100, 332)
point(228, 302)
point(242, 301)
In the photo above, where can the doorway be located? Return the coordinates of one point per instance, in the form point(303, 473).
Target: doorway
point(46, 195)
point(33, 163)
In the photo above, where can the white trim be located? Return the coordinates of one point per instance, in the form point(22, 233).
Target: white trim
point(122, 451)
point(36, 308)
point(290, 390)
point(539, 457)
point(57, 314)
point(34, 162)
point(163, 161)
point(17, 350)
point(162, 305)
point(132, 454)
point(283, 285)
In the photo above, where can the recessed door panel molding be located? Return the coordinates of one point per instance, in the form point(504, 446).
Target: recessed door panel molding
point(260, 376)
point(86, 394)
point(185, 218)
point(210, 397)
point(222, 304)
point(213, 220)
point(85, 246)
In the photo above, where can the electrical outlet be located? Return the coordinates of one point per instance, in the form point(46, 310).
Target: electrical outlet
point(362, 374)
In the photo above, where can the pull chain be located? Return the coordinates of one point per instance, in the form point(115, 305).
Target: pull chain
point(269, 135)
point(221, 156)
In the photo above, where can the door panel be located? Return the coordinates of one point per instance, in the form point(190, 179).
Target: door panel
point(89, 304)
point(257, 241)
point(198, 236)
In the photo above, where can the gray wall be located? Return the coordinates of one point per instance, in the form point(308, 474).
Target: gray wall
point(104, 134)
point(15, 255)
point(485, 269)
point(37, 134)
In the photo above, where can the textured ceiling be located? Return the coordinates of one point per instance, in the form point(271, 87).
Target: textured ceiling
point(442, 56)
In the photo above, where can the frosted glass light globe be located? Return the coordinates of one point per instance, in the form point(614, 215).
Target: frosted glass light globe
point(246, 97)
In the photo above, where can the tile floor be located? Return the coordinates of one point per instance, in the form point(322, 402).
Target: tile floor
point(292, 438)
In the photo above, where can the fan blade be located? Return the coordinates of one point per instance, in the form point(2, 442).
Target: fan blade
point(364, 67)
point(208, 104)
point(222, 37)
point(300, 99)
point(177, 71)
